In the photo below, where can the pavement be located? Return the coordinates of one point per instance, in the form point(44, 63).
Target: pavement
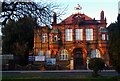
point(54, 71)
point(58, 73)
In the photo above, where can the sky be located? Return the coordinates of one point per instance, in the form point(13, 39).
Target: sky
point(91, 8)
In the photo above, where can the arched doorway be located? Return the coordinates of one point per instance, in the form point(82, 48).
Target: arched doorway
point(78, 58)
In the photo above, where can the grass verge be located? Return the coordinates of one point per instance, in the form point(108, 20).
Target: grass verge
point(75, 78)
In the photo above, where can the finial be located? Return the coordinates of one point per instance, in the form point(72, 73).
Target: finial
point(78, 7)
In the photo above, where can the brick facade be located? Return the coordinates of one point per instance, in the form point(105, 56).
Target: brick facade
point(65, 49)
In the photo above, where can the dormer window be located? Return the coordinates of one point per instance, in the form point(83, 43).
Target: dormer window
point(103, 36)
point(107, 37)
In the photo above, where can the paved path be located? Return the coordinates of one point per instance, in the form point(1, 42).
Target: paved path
point(58, 73)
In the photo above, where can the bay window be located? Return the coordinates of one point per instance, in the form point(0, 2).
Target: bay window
point(103, 36)
point(107, 37)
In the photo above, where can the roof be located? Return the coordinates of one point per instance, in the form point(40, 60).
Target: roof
point(78, 17)
point(103, 29)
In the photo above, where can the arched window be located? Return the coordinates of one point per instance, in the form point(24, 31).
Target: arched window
point(95, 53)
point(47, 55)
point(55, 38)
point(40, 53)
point(64, 55)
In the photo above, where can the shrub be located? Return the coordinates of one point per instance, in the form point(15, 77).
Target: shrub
point(96, 64)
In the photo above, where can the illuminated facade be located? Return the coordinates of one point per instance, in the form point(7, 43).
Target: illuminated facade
point(73, 41)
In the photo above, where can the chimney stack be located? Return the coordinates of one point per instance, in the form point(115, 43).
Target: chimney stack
point(102, 15)
point(54, 18)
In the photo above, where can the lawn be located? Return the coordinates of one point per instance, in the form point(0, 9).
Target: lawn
point(69, 78)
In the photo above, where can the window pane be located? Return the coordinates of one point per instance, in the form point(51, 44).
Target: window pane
point(64, 55)
point(95, 53)
point(55, 38)
point(107, 37)
point(68, 34)
point(79, 33)
point(89, 34)
point(40, 53)
point(48, 54)
point(44, 36)
point(103, 36)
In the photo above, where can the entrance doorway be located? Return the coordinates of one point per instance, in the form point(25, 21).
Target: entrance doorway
point(78, 59)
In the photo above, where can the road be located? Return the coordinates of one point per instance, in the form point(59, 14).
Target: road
point(57, 73)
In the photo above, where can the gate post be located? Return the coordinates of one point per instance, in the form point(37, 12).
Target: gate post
point(71, 64)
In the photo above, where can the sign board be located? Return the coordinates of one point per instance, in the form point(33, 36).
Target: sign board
point(51, 61)
point(31, 58)
point(39, 58)
point(7, 56)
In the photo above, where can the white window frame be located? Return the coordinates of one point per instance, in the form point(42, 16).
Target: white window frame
point(40, 53)
point(79, 34)
point(95, 54)
point(68, 35)
point(107, 37)
point(44, 37)
point(89, 34)
point(103, 37)
point(64, 55)
point(48, 54)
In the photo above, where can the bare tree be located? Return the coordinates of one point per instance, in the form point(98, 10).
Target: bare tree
point(17, 10)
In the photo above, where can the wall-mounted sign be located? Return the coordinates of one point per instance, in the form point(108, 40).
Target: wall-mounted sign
point(7, 56)
point(51, 61)
point(31, 58)
point(39, 58)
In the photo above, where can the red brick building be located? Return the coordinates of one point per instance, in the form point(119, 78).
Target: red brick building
point(73, 41)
